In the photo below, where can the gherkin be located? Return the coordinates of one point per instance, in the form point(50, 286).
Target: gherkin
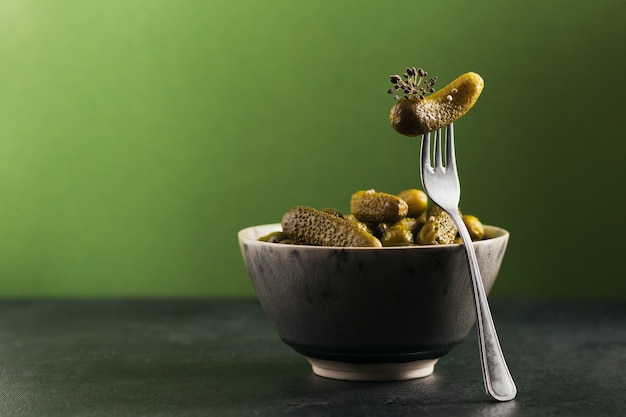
point(376, 207)
point(376, 220)
point(306, 225)
point(401, 233)
point(414, 116)
point(439, 228)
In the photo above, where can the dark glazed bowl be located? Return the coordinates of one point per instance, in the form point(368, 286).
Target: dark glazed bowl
point(369, 313)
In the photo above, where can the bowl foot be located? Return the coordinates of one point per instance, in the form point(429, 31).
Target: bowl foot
point(372, 371)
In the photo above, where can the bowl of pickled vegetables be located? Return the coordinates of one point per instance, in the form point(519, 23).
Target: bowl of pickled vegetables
point(379, 293)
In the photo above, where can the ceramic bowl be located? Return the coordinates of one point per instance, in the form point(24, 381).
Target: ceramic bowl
point(369, 313)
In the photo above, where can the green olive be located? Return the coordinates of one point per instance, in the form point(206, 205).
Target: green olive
point(474, 226)
point(417, 200)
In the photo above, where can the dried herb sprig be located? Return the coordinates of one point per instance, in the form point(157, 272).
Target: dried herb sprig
point(414, 85)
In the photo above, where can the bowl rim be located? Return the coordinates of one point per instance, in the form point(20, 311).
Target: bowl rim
point(250, 235)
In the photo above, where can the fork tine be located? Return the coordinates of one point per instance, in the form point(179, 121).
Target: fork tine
point(437, 161)
point(450, 156)
point(425, 150)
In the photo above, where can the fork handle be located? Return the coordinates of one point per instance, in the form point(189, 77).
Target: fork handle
point(498, 381)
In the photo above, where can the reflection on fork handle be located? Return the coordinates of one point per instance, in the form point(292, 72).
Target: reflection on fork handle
point(498, 381)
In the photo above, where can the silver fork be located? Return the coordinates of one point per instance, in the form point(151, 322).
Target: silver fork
point(441, 182)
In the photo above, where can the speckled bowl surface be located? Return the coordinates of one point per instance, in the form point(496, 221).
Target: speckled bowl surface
point(369, 313)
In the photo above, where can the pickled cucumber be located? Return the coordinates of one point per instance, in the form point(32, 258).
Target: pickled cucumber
point(377, 219)
point(366, 227)
point(306, 225)
point(275, 237)
point(414, 116)
point(439, 228)
point(377, 207)
point(401, 233)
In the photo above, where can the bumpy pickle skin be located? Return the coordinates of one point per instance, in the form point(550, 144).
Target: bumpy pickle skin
point(416, 116)
point(401, 233)
point(397, 236)
point(376, 207)
point(439, 228)
point(377, 220)
point(306, 225)
point(361, 225)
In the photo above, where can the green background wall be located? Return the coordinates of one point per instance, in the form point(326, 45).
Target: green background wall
point(138, 136)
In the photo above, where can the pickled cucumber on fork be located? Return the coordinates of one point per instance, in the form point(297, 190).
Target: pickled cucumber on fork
point(417, 112)
point(306, 225)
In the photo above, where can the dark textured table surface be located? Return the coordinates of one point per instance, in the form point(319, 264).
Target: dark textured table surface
point(217, 357)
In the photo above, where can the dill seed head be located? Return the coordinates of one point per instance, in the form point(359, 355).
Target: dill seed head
point(413, 85)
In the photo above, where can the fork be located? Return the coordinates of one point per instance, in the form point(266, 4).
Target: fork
point(441, 183)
